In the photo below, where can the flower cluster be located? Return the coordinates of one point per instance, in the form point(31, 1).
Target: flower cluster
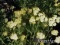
point(40, 35)
point(22, 37)
point(38, 16)
point(18, 13)
point(13, 36)
point(36, 10)
point(12, 24)
point(54, 20)
point(5, 33)
point(32, 20)
point(35, 16)
point(42, 17)
point(54, 32)
point(56, 4)
point(57, 40)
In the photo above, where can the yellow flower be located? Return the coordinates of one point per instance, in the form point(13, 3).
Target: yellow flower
point(5, 33)
point(23, 10)
point(17, 13)
point(35, 10)
point(56, 4)
point(58, 19)
point(18, 20)
point(23, 37)
point(13, 36)
point(54, 32)
point(54, 17)
point(11, 24)
point(52, 22)
point(40, 35)
point(40, 14)
point(32, 20)
point(57, 40)
point(41, 19)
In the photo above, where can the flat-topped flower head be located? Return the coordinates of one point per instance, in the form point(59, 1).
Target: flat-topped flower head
point(54, 32)
point(23, 37)
point(40, 35)
point(13, 36)
point(57, 40)
point(32, 20)
point(35, 10)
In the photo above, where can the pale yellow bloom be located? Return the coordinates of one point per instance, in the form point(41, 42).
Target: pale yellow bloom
point(56, 4)
point(13, 36)
point(57, 40)
point(40, 35)
point(54, 32)
point(50, 19)
point(43, 16)
point(23, 10)
point(5, 33)
point(17, 13)
point(11, 24)
point(18, 20)
point(54, 17)
point(41, 19)
point(54, 24)
point(50, 22)
point(40, 14)
point(58, 19)
point(35, 10)
point(23, 37)
point(32, 20)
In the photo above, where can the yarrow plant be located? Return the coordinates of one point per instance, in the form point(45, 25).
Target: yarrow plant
point(30, 22)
